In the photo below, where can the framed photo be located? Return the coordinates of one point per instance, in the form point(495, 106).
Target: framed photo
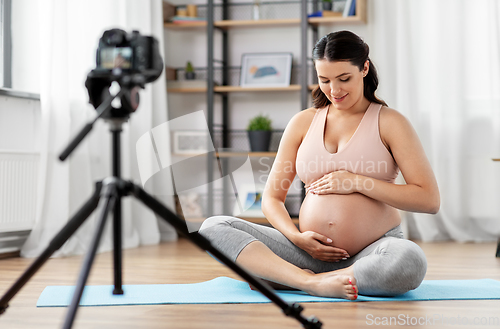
point(190, 142)
point(250, 198)
point(266, 70)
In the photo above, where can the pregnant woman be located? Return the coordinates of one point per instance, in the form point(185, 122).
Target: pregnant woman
point(347, 150)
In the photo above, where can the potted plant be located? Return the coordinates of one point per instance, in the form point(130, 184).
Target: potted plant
point(189, 72)
point(259, 133)
point(327, 5)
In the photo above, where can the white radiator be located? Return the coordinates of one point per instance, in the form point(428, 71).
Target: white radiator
point(18, 190)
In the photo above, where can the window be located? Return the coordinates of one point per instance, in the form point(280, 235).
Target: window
point(5, 44)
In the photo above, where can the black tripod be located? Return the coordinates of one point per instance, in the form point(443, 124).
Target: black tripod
point(107, 197)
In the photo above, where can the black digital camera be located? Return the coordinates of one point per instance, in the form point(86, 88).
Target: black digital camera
point(130, 59)
point(121, 53)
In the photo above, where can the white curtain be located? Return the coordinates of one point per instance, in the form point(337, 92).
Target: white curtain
point(69, 35)
point(439, 64)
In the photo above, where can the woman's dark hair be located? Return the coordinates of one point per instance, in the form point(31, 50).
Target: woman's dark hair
point(346, 46)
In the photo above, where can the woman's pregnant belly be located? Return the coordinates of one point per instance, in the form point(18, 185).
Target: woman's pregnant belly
point(352, 221)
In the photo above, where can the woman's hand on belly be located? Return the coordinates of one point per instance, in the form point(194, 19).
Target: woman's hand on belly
point(319, 247)
point(338, 182)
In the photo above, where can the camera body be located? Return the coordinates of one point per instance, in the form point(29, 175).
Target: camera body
point(130, 59)
point(124, 54)
point(129, 53)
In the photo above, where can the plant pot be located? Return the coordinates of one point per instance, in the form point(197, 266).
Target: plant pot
point(189, 75)
point(327, 5)
point(259, 140)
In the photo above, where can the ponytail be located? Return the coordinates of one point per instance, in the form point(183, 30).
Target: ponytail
point(370, 82)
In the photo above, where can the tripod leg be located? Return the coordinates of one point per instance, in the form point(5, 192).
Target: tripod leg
point(117, 246)
point(498, 249)
point(293, 310)
point(74, 223)
point(117, 217)
point(108, 198)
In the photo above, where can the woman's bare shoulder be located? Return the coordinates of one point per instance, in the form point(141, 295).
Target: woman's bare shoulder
point(390, 113)
point(300, 122)
point(391, 118)
point(392, 125)
point(307, 114)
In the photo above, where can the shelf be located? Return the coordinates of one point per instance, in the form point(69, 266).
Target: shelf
point(187, 90)
point(184, 26)
point(227, 24)
point(258, 23)
point(250, 154)
point(316, 21)
point(228, 89)
point(233, 89)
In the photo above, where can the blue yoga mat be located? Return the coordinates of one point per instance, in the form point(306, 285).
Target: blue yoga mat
point(226, 290)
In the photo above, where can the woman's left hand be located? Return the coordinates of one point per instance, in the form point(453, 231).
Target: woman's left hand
point(337, 182)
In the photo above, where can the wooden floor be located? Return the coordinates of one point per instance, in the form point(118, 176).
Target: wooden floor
point(181, 262)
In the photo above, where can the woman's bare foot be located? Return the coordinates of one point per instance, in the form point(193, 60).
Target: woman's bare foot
point(331, 284)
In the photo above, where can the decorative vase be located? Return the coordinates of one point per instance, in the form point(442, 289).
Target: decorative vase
point(259, 140)
point(256, 10)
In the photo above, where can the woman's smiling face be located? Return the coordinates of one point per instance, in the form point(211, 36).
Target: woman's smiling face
point(341, 82)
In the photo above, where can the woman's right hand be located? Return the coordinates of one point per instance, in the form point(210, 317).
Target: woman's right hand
point(319, 247)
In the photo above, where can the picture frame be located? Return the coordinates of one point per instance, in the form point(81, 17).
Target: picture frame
point(266, 69)
point(190, 142)
point(250, 196)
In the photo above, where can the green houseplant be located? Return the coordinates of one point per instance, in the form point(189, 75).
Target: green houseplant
point(259, 133)
point(189, 71)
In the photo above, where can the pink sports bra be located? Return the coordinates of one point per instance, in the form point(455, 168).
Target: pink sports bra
point(364, 154)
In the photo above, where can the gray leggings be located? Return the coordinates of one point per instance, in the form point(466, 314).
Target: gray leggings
point(389, 266)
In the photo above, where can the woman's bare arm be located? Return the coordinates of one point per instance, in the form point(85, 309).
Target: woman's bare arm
point(282, 175)
point(420, 193)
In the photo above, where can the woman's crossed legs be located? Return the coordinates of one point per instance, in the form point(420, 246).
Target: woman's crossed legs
point(389, 266)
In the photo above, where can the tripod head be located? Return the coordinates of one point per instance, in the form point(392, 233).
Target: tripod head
point(131, 60)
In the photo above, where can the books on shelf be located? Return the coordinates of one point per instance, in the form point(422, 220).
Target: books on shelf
point(185, 19)
point(352, 11)
point(350, 8)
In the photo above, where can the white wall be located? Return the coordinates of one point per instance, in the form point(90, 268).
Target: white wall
point(19, 124)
